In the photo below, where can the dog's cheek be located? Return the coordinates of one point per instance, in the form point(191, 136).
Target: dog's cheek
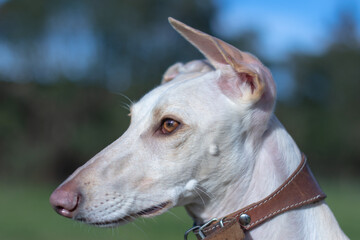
point(144, 184)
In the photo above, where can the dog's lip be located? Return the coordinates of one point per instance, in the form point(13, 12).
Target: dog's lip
point(111, 223)
point(148, 212)
point(154, 210)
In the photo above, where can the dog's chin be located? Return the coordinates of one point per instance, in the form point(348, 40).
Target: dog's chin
point(146, 213)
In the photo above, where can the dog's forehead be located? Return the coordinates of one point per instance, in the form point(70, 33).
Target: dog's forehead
point(179, 93)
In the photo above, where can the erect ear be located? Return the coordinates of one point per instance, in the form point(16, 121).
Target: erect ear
point(248, 82)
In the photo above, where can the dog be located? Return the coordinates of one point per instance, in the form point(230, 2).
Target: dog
point(206, 139)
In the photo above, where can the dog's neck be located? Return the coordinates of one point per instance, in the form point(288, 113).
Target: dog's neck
point(274, 162)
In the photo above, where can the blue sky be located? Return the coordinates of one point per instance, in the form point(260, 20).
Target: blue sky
point(283, 25)
point(69, 44)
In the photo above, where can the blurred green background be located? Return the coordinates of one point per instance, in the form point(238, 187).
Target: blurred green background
point(66, 67)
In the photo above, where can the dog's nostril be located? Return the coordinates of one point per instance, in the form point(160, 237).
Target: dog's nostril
point(65, 201)
point(70, 207)
point(62, 211)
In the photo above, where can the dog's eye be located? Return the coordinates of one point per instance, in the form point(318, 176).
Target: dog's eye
point(169, 125)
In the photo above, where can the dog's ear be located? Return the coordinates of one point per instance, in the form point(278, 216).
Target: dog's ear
point(182, 70)
point(171, 73)
point(249, 83)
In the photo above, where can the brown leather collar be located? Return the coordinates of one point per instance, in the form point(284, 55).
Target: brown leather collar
point(300, 189)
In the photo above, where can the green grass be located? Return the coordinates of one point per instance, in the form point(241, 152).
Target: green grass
point(344, 200)
point(26, 214)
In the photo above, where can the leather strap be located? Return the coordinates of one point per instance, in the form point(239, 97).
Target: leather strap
point(230, 231)
point(300, 189)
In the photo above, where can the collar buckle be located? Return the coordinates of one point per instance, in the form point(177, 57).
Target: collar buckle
point(200, 229)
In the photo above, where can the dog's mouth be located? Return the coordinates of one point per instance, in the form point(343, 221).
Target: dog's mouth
point(148, 212)
point(154, 210)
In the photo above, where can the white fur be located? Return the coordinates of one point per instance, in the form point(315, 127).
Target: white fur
point(214, 150)
point(191, 185)
point(227, 153)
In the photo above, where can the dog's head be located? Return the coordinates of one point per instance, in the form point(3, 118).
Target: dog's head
point(184, 139)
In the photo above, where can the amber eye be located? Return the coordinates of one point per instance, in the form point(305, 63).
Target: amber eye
point(169, 125)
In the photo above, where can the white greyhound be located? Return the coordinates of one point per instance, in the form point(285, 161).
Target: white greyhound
point(206, 139)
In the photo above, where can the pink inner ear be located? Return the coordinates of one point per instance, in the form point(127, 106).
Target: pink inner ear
point(230, 88)
point(249, 79)
point(239, 84)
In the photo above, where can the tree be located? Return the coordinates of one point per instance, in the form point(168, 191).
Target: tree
point(327, 125)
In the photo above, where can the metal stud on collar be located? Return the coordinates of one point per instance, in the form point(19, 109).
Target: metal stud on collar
point(244, 219)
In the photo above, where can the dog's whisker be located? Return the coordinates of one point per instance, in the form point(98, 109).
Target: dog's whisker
point(127, 98)
point(176, 216)
point(202, 200)
point(127, 216)
point(139, 228)
point(209, 195)
point(154, 220)
point(125, 106)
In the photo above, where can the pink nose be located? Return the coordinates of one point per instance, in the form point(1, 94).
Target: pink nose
point(65, 199)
